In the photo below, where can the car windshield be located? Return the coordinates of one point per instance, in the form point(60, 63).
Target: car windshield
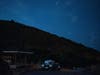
point(48, 62)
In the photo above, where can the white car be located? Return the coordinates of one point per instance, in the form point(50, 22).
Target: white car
point(50, 65)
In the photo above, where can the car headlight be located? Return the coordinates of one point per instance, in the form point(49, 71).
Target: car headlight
point(46, 67)
point(42, 65)
point(50, 65)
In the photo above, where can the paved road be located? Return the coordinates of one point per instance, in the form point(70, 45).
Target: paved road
point(56, 73)
point(95, 71)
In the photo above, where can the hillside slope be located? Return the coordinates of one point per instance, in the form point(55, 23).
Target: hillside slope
point(17, 36)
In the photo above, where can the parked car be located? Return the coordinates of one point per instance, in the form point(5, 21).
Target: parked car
point(50, 65)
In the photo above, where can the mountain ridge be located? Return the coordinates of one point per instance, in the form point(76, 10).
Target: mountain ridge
point(18, 36)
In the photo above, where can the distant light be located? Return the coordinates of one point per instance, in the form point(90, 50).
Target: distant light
point(50, 65)
point(46, 67)
point(42, 65)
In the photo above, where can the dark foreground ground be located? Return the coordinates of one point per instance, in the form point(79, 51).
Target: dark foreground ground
point(60, 73)
point(87, 71)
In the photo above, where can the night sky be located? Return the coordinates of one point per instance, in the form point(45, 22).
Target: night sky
point(78, 20)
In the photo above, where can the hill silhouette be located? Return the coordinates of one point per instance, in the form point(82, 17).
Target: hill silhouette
point(17, 36)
